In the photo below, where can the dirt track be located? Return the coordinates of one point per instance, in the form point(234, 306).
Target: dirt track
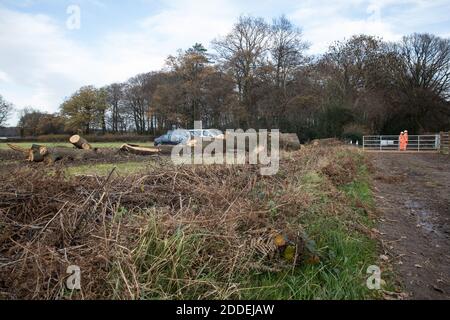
point(413, 195)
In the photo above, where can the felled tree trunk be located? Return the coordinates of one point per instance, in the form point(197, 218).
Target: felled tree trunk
point(59, 153)
point(80, 142)
point(146, 151)
point(39, 153)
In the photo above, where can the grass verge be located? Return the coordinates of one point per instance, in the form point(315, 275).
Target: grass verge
point(345, 252)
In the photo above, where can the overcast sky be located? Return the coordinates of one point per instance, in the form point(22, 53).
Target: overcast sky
point(42, 61)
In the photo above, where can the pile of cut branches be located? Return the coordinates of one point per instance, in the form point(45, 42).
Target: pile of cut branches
point(169, 232)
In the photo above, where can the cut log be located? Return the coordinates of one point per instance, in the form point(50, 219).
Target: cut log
point(43, 150)
point(142, 151)
point(80, 142)
point(39, 153)
point(146, 151)
point(35, 155)
point(59, 153)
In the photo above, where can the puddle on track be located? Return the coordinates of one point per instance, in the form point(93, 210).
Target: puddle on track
point(425, 218)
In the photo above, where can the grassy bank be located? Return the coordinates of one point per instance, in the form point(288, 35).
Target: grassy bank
point(345, 251)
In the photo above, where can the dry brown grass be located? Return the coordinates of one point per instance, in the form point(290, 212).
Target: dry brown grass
point(176, 232)
point(341, 172)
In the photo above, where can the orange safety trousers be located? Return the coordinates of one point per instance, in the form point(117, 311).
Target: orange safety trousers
point(406, 140)
point(402, 142)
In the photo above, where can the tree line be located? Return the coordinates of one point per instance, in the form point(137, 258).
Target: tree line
point(259, 75)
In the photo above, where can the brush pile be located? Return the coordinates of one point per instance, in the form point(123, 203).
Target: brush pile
point(170, 232)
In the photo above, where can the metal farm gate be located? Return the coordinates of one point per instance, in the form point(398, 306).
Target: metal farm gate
point(445, 142)
point(421, 143)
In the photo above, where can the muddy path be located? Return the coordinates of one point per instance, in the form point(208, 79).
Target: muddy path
point(412, 193)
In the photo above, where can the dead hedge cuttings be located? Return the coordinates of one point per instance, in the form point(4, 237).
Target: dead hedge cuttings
point(169, 232)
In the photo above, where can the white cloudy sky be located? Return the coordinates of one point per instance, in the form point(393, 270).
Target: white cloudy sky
point(42, 61)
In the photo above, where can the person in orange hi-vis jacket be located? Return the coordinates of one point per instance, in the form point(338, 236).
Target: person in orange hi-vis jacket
point(405, 136)
point(401, 141)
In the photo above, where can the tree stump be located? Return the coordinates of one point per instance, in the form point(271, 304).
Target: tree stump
point(37, 153)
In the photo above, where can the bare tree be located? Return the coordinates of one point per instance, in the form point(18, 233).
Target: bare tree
point(6, 109)
point(287, 50)
point(426, 63)
point(137, 101)
point(243, 51)
point(115, 100)
point(193, 89)
point(422, 79)
point(355, 65)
